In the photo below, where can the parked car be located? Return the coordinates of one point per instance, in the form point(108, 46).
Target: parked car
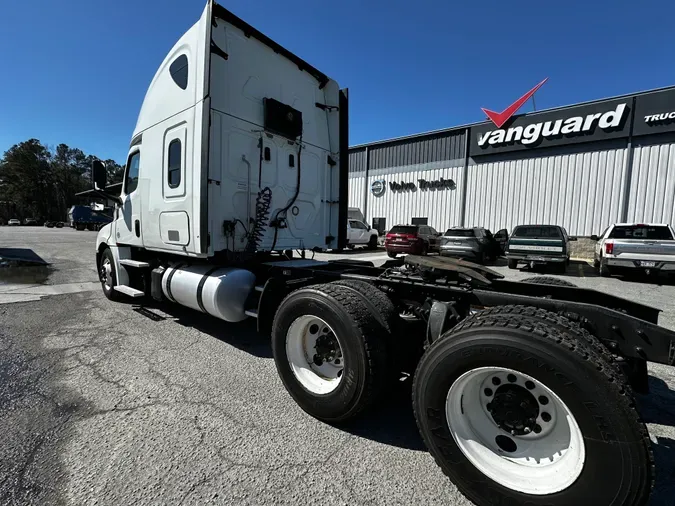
point(358, 233)
point(14, 222)
point(476, 243)
point(539, 245)
point(649, 248)
point(49, 224)
point(58, 224)
point(412, 239)
point(30, 222)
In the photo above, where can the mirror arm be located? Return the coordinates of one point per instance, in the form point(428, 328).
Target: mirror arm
point(110, 196)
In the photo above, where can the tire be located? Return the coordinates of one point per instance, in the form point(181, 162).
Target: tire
point(372, 243)
point(403, 354)
point(603, 270)
point(548, 280)
point(560, 268)
point(567, 323)
point(391, 254)
point(580, 384)
point(362, 341)
point(111, 276)
point(425, 250)
point(480, 258)
point(513, 264)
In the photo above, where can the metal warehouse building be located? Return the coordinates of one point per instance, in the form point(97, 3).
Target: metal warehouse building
point(583, 167)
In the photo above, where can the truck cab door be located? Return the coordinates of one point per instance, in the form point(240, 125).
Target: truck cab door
point(128, 216)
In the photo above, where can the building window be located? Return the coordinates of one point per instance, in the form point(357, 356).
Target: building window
point(133, 167)
point(179, 71)
point(174, 171)
point(380, 224)
point(420, 221)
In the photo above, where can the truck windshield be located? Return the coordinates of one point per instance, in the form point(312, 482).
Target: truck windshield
point(655, 233)
point(460, 233)
point(544, 232)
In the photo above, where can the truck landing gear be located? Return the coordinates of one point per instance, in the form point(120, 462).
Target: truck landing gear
point(514, 409)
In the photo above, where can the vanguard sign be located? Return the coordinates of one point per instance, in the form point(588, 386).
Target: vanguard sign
point(568, 126)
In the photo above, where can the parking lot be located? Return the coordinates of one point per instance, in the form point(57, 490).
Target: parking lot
point(120, 404)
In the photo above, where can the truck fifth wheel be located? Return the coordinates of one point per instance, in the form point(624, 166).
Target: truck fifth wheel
point(523, 392)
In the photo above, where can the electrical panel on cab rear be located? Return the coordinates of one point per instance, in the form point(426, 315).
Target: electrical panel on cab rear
point(277, 162)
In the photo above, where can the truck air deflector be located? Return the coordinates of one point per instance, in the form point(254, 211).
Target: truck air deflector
point(221, 12)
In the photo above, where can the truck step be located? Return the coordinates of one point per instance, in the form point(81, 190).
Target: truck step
point(133, 263)
point(253, 313)
point(127, 290)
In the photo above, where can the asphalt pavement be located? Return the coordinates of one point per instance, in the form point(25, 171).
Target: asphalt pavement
point(112, 403)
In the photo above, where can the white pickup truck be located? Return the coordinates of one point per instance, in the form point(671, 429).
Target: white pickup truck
point(648, 247)
point(358, 233)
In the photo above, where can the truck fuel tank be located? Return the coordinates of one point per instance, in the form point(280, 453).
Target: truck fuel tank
point(219, 291)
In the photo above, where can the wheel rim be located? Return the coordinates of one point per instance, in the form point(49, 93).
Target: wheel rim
point(515, 430)
point(105, 273)
point(314, 354)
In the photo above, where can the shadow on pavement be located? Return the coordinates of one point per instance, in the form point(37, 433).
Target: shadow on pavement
point(664, 460)
point(659, 405)
point(392, 422)
point(23, 266)
point(243, 335)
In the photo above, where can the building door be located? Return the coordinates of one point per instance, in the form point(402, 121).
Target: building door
point(420, 221)
point(380, 224)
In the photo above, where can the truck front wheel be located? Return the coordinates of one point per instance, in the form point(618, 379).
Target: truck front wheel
point(516, 411)
point(329, 350)
point(372, 243)
point(107, 275)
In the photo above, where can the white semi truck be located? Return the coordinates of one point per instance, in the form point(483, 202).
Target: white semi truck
point(523, 392)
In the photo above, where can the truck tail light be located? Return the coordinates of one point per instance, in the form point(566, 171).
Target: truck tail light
point(609, 248)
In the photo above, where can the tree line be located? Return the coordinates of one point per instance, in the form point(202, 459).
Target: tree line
point(37, 181)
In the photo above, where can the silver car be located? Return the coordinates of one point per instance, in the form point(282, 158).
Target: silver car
point(475, 243)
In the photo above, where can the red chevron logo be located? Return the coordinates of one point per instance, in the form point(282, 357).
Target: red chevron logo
point(499, 118)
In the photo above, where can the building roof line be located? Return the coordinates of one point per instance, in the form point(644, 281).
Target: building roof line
point(430, 133)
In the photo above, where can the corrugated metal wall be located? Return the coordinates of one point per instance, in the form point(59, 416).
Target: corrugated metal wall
point(583, 192)
point(426, 149)
point(357, 160)
point(356, 191)
point(652, 184)
point(441, 207)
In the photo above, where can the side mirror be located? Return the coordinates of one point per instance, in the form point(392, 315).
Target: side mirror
point(595, 238)
point(99, 176)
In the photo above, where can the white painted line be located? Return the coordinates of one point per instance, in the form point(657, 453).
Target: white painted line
point(15, 293)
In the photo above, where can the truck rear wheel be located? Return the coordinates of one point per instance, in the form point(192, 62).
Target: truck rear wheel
point(516, 411)
point(372, 243)
point(512, 263)
point(329, 350)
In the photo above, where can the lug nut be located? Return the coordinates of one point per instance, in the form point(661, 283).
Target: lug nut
point(512, 378)
point(546, 417)
point(496, 381)
point(527, 430)
point(543, 400)
point(488, 392)
point(529, 385)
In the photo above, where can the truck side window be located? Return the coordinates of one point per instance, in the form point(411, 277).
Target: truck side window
point(174, 168)
point(179, 71)
point(132, 173)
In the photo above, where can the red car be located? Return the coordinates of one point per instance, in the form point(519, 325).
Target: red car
point(411, 239)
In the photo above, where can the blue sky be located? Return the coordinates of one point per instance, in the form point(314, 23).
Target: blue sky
point(76, 71)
